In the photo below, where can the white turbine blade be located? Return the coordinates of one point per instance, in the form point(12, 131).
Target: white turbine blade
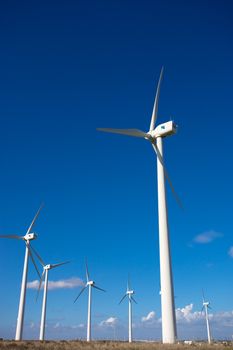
point(11, 236)
point(41, 280)
point(94, 286)
point(203, 296)
point(128, 132)
point(128, 283)
point(159, 155)
point(33, 260)
point(38, 256)
point(87, 272)
point(122, 299)
point(62, 263)
point(82, 290)
point(34, 219)
point(133, 299)
point(156, 103)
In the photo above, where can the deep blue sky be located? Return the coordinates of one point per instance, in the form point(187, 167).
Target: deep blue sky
point(68, 67)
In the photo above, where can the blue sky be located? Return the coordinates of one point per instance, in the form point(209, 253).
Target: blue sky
point(70, 67)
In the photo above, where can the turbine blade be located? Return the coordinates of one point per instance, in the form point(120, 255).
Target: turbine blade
point(159, 155)
point(103, 290)
point(156, 103)
point(133, 299)
point(38, 256)
point(62, 263)
point(87, 272)
point(122, 299)
point(203, 296)
point(80, 293)
point(11, 236)
point(33, 260)
point(128, 283)
point(129, 132)
point(41, 279)
point(34, 219)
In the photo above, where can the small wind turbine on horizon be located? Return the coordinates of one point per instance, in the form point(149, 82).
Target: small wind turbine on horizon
point(27, 238)
point(206, 306)
point(155, 136)
point(89, 284)
point(129, 293)
point(46, 268)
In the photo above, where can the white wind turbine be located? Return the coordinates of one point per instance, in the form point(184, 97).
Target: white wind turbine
point(29, 236)
point(129, 293)
point(155, 135)
point(90, 284)
point(44, 276)
point(206, 306)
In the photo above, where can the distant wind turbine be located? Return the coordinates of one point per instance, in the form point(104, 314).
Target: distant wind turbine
point(155, 135)
point(44, 276)
point(29, 236)
point(206, 306)
point(90, 284)
point(129, 293)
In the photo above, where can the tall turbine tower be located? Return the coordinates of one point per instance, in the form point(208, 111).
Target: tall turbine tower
point(44, 277)
point(89, 284)
point(206, 306)
point(155, 135)
point(129, 293)
point(27, 239)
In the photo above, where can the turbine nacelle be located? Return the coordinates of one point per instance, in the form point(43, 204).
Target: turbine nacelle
point(48, 267)
point(163, 130)
point(206, 303)
point(30, 236)
point(90, 283)
point(130, 292)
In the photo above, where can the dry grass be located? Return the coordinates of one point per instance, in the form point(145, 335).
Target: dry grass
point(106, 345)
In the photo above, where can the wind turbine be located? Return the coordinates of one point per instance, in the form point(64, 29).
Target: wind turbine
point(44, 276)
point(129, 293)
point(29, 236)
point(155, 135)
point(89, 284)
point(206, 306)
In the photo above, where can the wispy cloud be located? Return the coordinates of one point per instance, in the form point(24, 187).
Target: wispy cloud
point(150, 317)
point(230, 252)
point(80, 325)
point(207, 237)
point(110, 322)
point(61, 284)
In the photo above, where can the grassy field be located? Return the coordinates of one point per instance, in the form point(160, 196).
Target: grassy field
point(107, 345)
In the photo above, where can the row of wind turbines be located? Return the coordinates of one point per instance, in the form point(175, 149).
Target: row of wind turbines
point(155, 136)
point(30, 251)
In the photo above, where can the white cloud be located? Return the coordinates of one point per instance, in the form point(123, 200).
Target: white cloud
point(186, 314)
point(61, 284)
point(110, 322)
point(149, 318)
point(230, 252)
point(207, 237)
